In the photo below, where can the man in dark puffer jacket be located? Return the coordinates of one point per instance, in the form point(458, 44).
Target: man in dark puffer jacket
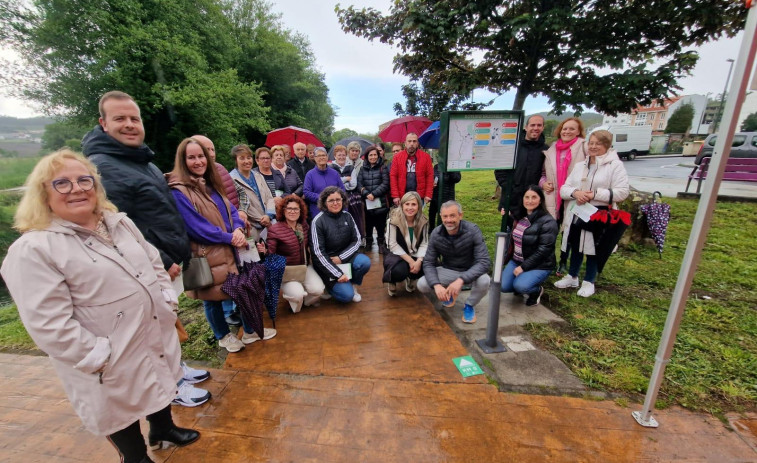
point(460, 246)
point(137, 187)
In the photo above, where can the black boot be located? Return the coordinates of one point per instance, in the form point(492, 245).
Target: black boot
point(146, 459)
point(172, 435)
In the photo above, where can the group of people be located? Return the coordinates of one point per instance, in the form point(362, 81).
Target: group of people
point(550, 185)
point(106, 238)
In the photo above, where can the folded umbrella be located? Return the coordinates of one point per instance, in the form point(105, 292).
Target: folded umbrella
point(658, 216)
point(247, 289)
point(274, 273)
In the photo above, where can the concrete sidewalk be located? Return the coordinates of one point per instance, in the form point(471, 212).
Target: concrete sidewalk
point(373, 382)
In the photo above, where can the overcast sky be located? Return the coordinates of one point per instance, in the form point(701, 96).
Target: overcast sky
point(359, 73)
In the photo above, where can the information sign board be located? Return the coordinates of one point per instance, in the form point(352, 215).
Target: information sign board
point(480, 140)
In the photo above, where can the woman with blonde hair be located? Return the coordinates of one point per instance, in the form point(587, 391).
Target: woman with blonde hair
point(560, 158)
point(406, 240)
point(93, 294)
point(601, 180)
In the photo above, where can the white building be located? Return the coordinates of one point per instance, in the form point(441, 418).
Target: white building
point(620, 119)
point(699, 125)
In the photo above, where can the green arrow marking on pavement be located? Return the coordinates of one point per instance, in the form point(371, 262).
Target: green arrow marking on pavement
point(467, 366)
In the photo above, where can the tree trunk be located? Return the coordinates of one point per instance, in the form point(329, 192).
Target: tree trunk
point(520, 98)
point(638, 232)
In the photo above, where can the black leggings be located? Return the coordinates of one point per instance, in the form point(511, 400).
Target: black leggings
point(130, 443)
point(401, 271)
point(375, 220)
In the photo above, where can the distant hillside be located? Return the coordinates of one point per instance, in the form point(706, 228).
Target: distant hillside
point(32, 124)
point(588, 118)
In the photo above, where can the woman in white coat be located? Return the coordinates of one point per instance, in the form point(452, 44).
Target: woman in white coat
point(600, 180)
point(93, 295)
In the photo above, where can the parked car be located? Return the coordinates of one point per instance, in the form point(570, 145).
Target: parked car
point(744, 145)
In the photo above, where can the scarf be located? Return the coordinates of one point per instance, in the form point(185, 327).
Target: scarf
point(562, 166)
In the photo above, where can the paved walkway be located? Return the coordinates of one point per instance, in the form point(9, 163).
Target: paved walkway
point(368, 382)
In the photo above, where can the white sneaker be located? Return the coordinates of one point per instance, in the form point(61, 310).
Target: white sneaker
point(231, 343)
point(567, 282)
point(410, 285)
point(392, 289)
point(325, 296)
point(356, 297)
point(311, 301)
point(296, 306)
point(192, 375)
point(268, 333)
point(190, 396)
point(587, 289)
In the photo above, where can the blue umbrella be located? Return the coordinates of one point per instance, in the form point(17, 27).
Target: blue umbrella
point(430, 138)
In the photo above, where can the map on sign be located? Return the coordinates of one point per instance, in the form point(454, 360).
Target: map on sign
point(482, 141)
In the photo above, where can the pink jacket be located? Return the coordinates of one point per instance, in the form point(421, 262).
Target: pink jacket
point(87, 304)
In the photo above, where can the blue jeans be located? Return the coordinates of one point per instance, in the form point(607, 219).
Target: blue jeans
point(229, 307)
point(343, 292)
point(526, 283)
point(576, 258)
point(217, 320)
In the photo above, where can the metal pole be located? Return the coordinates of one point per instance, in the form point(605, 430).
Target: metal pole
point(491, 344)
point(701, 225)
point(722, 97)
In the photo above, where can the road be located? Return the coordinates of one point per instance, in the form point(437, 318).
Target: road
point(669, 174)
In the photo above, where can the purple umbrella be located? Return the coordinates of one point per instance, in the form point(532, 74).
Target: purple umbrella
point(247, 289)
point(658, 216)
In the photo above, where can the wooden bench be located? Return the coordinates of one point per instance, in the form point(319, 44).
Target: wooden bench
point(736, 169)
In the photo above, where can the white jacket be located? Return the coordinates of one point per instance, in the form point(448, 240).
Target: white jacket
point(85, 302)
point(610, 175)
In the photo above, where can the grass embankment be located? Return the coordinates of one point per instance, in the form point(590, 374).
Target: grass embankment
point(610, 340)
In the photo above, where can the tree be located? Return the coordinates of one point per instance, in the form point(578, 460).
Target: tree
point(60, 133)
point(283, 64)
point(575, 53)
point(429, 101)
point(223, 68)
point(750, 123)
point(680, 120)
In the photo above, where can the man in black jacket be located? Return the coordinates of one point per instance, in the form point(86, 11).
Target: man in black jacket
point(460, 247)
point(137, 187)
point(529, 162)
point(300, 162)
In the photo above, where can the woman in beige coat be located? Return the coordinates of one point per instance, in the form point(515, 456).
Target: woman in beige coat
point(93, 294)
point(559, 160)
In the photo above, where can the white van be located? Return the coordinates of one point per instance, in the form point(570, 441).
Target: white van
point(629, 140)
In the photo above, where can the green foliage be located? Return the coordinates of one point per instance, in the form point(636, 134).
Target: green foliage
point(555, 49)
point(8, 203)
point(227, 69)
point(13, 335)
point(63, 133)
point(680, 120)
point(610, 339)
point(750, 123)
point(429, 101)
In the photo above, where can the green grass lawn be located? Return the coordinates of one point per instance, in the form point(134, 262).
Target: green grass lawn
point(13, 171)
point(611, 339)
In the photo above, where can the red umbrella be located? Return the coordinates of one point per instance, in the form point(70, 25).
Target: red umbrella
point(398, 129)
point(291, 135)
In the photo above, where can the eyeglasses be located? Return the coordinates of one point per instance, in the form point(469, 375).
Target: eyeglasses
point(334, 201)
point(292, 209)
point(64, 186)
point(264, 159)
